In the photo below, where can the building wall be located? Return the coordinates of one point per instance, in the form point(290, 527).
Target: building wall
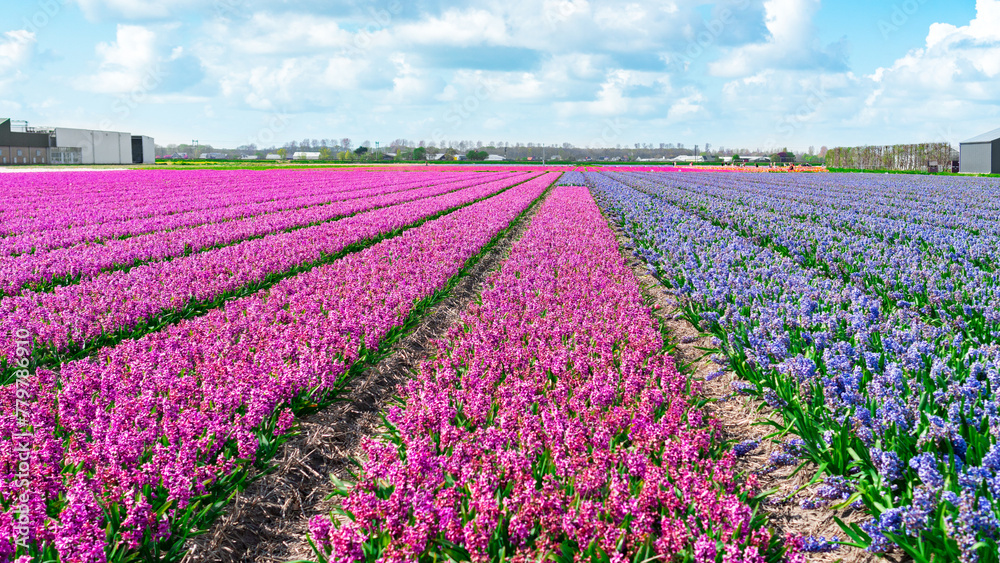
point(976, 158)
point(124, 148)
point(10, 138)
point(65, 155)
point(107, 148)
point(98, 147)
point(80, 138)
point(996, 158)
point(20, 155)
point(148, 150)
point(91, 147)
point(38, 155)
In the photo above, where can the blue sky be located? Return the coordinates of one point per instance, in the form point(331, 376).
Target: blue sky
point(733, 73)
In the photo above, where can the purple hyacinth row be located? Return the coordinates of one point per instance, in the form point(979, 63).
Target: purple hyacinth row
point(897, 364)
point(282, 191)
point(66, 200)
point(906, 257)
point(551, 425)
point(961, 203)
point(120, 300)
point(88, 260)
point(148, 426)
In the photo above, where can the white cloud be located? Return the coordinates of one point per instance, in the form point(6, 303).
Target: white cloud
point(134, 48)
point(614, 97)
point(16, 48)
point(791, 43)
point(275, 34)
point(141, 63)
point(558, 50)
point(943, 90)
point(549, 65)
point(126, 64)
point(952, 79)
point(688, 107)
point(456, 28)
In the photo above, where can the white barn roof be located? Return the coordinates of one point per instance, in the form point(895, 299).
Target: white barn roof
point(985, 137)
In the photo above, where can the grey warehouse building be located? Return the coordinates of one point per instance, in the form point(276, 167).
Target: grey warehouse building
point(981, 155)
point(62, 145)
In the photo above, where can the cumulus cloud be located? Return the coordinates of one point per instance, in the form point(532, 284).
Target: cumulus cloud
point(687, 107)
point(658, 66)
point(265, 33)
point(16, 48)
point(622, 92)
point(138, 61)
point(951, 79)
point(455, 28)
point(558, 50)
point(790, 44)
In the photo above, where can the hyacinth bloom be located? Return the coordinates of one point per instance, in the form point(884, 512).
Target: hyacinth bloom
point(121, 300)
point(172, 236)
point(118, 203)
point(146, 428)
point(551, 424)
point(161, 201)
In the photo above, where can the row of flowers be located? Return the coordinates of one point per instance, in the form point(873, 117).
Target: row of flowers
point(128, 449)
point(251, 195)
point(87, 260)
point(550, 425)
point(65, 200)
point(945, 275)
point(115, 304)
point(884, 371)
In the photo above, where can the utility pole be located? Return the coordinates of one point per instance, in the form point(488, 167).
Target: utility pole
point(195, 143)
point(543, 155)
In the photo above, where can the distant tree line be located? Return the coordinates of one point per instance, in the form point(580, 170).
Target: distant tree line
point(891, 157)
point(411, 150)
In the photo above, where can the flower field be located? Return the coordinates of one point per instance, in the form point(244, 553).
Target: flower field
point(128, 449)
point(165, 334)
point(552, 424)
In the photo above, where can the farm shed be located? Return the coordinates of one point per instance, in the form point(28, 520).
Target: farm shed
point(96, 147)
point(62, 145)
point(981, 155)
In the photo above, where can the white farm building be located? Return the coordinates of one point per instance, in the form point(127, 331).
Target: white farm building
point(66, 145)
